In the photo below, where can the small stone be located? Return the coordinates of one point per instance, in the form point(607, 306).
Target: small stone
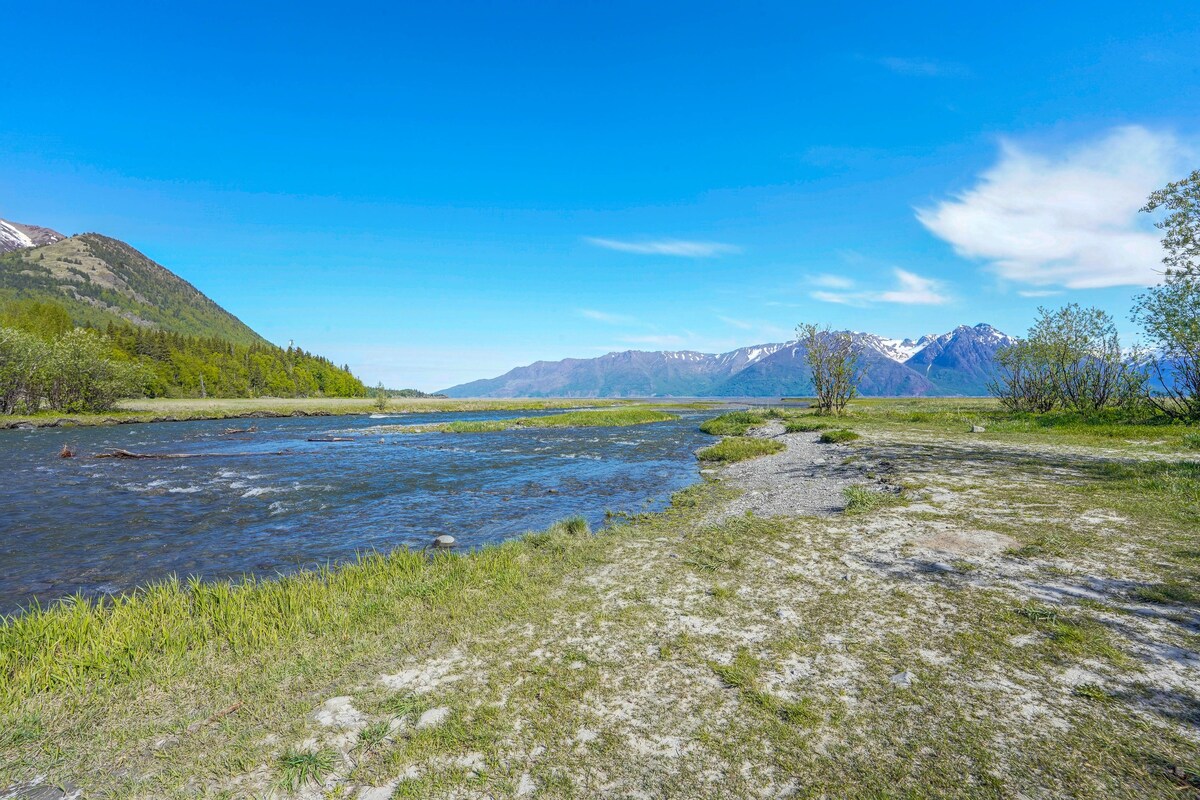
point(445, 540)
point(903, 679)
point(978, 429)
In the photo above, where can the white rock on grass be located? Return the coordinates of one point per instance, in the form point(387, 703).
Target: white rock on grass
point(526, 786)
point(339, 712)
point(433, 717)
point(903, 679)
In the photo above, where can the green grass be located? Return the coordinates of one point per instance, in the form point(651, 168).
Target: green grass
point(734, 423)
point(804, 426)
point(862, 499)
point(1169, 592)
point(299, 768)
point(668, 626)
point(838, 436)
point(733, 449)
point(605, 418)
point(170, 409)
point(1134, 428)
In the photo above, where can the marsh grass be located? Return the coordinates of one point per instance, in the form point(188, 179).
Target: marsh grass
point(79, 644)
point(298, 768)
point(605, 418)
point(838, 437)
point(804, 426)
point(733, 423)
point(863, 499)
point(160, 409)
point(739, 448)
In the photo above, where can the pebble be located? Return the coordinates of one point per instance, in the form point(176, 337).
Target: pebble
point(903, 679)
point(978, 429)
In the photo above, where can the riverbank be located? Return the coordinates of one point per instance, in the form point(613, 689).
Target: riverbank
point(1024, 621)
point(178, 410)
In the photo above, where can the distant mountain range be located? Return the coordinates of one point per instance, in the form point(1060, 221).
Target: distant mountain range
point(101, 280)
point(956, 363)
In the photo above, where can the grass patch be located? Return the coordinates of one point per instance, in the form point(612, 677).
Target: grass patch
point(1092, 691)
point(862, 499)
point(602, 418)
point(739, 449)
point(804, 426)
point(298, 768)
point(162, 409)
point(1168, 592)
point(734, 423)
point(743, 673)
point(838, 437)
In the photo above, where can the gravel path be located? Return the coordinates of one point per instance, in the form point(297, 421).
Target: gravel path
point(805, 479)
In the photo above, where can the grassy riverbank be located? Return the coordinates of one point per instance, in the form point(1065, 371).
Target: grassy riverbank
point(609, 418)
point(1025, 624)
point(170, 410)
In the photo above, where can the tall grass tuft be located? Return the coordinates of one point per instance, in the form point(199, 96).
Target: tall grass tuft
point(739, 449)
point(734, 423)
point(838, 437)
point(862, 499)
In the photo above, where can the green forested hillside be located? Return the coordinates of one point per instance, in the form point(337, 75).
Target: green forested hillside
point(159, 334)
point(185, 366)
point(99, 280)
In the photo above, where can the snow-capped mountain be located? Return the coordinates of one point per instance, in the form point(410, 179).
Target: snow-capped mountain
point(956, 363)
point(15, 236)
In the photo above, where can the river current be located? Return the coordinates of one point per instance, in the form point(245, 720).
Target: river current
point(271, 501)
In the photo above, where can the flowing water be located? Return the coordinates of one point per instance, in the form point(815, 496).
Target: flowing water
point(271, 502)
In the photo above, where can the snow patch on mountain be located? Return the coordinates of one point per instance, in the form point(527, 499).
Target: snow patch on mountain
point(12, 238)
point(15, 236)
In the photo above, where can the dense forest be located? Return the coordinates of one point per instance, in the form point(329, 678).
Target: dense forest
point(45, 361)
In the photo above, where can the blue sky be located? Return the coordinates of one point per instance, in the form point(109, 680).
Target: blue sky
point(436, 192)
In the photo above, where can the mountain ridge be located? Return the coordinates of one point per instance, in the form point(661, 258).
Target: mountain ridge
point(958, 362)
point(99, 279)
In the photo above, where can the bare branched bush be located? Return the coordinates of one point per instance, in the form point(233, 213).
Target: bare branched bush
point(833, 358)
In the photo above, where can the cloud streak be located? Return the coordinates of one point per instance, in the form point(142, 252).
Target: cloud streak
point(1069, 219)
point(910, 289)
point(606, 317)
point(666, 247)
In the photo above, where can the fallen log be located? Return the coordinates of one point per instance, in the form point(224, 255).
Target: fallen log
point(231, 431)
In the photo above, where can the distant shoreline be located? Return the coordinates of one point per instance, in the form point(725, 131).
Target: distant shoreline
point(145, 411)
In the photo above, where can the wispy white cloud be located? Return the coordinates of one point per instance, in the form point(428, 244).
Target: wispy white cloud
point(910, 289)
point(741, 324)
point(1067, 219)
point(606, 317)
point(1039, 292)
point(666, 247)
point(924, 67)
point(913, 290)
point(827, 281)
